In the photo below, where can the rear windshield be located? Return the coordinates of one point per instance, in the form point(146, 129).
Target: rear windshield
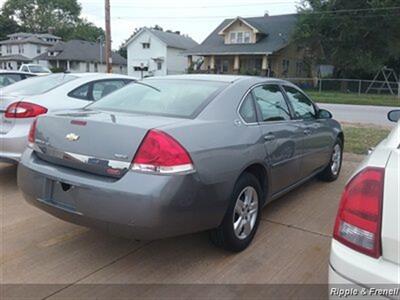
point(39, 69)
point(38, 85)
point(179, 98)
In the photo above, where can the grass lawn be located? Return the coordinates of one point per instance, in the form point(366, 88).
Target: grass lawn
point(343, 98)
point(358, 139)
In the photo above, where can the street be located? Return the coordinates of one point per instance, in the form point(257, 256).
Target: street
point(363, 114)
point(291, 246)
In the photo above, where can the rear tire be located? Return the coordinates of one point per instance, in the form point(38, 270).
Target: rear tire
point(332, 171)
point(241, 220)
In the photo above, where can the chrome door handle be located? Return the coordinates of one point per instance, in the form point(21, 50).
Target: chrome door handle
point(269, 137)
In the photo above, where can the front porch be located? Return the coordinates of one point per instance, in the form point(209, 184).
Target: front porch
point(234, 64)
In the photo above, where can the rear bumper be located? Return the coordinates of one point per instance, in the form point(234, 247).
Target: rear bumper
point(140, 206)
point(13, 143)
point(352, 270)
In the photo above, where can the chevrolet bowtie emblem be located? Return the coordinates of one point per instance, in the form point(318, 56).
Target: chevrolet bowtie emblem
point(72, 137)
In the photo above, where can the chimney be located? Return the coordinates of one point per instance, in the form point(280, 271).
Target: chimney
point(51, 30)
point(266, 13)
point(177, 32)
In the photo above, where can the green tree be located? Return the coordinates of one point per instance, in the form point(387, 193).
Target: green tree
point(40, 15)
point(7, 26)
point(358, 37)
point(83, 30)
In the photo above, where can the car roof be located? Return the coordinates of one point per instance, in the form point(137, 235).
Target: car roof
point(221, 78)
point(100, 75)
point(15, 72)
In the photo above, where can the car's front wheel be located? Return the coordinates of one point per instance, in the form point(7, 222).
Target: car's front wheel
point(242, 217)
point(332, 171)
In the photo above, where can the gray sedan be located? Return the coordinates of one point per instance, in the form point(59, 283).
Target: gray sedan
point(180, 154)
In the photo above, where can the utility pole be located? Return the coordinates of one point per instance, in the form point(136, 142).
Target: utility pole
point(108, 37)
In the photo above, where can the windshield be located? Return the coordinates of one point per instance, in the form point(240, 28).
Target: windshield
point(39, 69)
point(38, 85)
point(181, 98)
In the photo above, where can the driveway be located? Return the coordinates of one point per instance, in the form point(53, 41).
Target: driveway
point(363, 114)
point(60, 260)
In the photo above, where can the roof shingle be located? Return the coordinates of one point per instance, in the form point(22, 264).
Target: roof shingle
point(277, 32)
point(78, 50)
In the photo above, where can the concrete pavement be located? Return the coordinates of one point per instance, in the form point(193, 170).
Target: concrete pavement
point(291, 247)
point(363, 114)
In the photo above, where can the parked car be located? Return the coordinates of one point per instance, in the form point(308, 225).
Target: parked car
point(21, 102)
point(365, 249)
point(35, 69)
point(180, 154)
point(10, 77)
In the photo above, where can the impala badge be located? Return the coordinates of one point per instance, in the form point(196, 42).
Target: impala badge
point(72, 137)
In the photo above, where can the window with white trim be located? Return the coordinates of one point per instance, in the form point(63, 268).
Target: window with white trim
point(240, 37)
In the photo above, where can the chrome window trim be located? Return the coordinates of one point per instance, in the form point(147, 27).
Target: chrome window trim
point(292, 120)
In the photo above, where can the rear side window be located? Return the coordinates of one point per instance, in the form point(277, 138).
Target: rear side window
point(103, 88)
point(81, 92)
point(302, 106)
point(247, 110)
point(180, 98)
point(7, 79)
point(39, 85)
point(271, 103)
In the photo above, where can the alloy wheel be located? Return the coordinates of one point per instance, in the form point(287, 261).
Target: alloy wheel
point(245, 213)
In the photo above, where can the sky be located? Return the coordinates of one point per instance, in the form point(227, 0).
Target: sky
point(195, 18)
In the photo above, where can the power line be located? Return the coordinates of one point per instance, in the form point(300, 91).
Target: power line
point(202, 6)
point(230, 17)
point(340, 11)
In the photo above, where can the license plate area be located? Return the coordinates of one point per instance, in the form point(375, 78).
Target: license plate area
point(61, 195)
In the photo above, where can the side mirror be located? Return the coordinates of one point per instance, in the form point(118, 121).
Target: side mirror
point(394, 115)
point(324, 114)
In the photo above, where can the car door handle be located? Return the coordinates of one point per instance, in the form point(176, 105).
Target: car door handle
point(269, 137)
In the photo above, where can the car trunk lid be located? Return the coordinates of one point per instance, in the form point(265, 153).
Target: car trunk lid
point(391, 210)
point(103, 143)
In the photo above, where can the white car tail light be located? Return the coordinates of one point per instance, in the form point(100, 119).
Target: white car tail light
point(358, 222)
point(162, 154)
point(20, 110)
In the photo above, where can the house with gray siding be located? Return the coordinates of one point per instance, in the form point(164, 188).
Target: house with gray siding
point(22, 47)
point(78, 56)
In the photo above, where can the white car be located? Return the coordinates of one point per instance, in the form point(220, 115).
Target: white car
point(365, 251)
point(34, 69)
point(22, 102)
point(8, 77)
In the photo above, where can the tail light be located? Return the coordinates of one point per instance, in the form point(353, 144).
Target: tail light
point(32, 133)
point(358, 222)
point(20, 110)
point(162, 154)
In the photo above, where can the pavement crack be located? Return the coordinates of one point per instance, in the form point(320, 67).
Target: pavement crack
point(298, 228)
point(97, 270)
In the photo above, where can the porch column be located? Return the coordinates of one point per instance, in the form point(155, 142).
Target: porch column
point(58, 63)
point(264, 66)
point(212, 63)
point(190, 61)
point(68, 65)
point(236, 64)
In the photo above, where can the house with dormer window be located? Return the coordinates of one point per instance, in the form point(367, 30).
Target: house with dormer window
point(22, 47)
point(253, 46)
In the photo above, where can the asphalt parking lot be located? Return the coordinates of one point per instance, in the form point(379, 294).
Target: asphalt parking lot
point(291, 246)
